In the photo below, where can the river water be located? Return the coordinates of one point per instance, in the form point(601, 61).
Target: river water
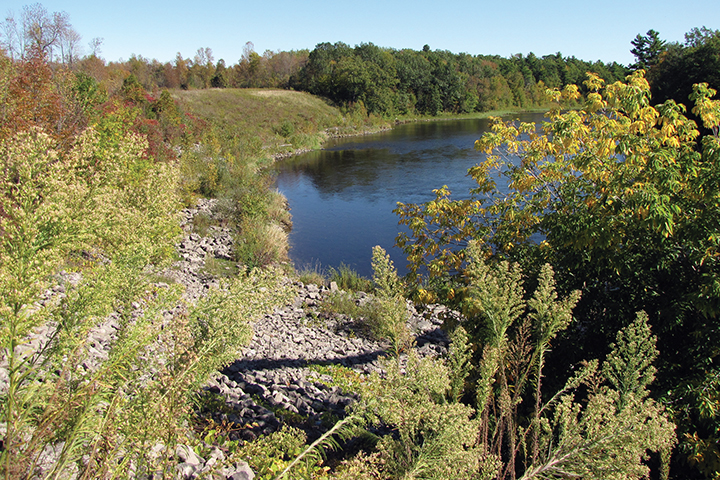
point(341, 198)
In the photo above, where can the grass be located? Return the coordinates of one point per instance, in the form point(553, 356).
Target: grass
point(270, 121)
point(348, 279)
point(311, 274)
point(218, 267)
point(266, 122)
point(346, 303)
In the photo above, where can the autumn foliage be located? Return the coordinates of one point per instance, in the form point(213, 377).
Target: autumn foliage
point(34, 95)
point(621, 197)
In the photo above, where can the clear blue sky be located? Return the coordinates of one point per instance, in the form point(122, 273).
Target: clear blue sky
point(587, 30)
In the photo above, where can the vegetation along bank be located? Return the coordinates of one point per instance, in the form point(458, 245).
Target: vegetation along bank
point(141, 246)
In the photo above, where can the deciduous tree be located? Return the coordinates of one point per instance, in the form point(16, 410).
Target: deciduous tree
point(622, 198)
point(36, 28)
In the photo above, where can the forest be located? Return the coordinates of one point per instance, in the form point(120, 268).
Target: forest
point(587, 297)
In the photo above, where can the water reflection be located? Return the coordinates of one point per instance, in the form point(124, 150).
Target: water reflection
point(342, 197)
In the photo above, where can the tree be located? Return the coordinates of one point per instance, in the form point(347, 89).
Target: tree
point(700, 36)
point(317, 75)
point(182, 71)
point(203, 67)
point(647, 49)
point(285, 65)
point(219, 79)
point(37, 28)
point(681, 66)
point(94, 45)
point(622, 199)
point(69, 43)
point(32, 95)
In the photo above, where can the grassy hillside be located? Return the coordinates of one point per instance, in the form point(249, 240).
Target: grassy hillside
point(271, 121)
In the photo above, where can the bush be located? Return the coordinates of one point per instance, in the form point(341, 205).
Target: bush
point(91, 221)
point(261, 244)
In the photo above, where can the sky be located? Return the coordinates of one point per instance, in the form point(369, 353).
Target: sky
point(586, 30)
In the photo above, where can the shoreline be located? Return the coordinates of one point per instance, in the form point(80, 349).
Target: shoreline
point(371, 131)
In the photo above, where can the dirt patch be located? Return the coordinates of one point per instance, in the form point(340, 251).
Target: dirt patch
point(272, 93)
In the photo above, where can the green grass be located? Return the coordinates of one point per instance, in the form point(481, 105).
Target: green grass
point(202, 222)
point(311, 273)
point(219, 267)
point(348, 279)
point(276, 121)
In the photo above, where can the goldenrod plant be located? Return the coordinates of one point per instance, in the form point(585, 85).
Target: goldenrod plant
point(101, 362)
point(601, 424)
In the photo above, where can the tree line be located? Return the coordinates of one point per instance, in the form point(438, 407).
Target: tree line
point(386, 81)
point(373, 79)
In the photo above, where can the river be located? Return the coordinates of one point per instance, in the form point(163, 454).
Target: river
point(341, 198)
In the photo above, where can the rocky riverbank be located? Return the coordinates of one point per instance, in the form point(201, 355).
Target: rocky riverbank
point(277, 379)
point(276, 371)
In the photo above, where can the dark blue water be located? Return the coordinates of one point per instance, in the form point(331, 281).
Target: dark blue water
point(341, 198)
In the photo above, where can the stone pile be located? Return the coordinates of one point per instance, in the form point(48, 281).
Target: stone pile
point(194, 249)
point(191, 465)
point(275, 380)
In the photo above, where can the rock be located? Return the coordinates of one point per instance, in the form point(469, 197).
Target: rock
point(242, 472)
point(186, 470)
point(187, 455)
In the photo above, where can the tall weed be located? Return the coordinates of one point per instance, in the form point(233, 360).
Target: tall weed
point(348, 279)
point(101, 368)
point(384, 314)
point(600, 425)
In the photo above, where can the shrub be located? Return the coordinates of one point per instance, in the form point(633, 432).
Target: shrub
point(91, 204)
point(105, 214)
point(286, 129)
point(261, 244)
point(600, 425)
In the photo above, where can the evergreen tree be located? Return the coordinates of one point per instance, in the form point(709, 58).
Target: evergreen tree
point(647, 49)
